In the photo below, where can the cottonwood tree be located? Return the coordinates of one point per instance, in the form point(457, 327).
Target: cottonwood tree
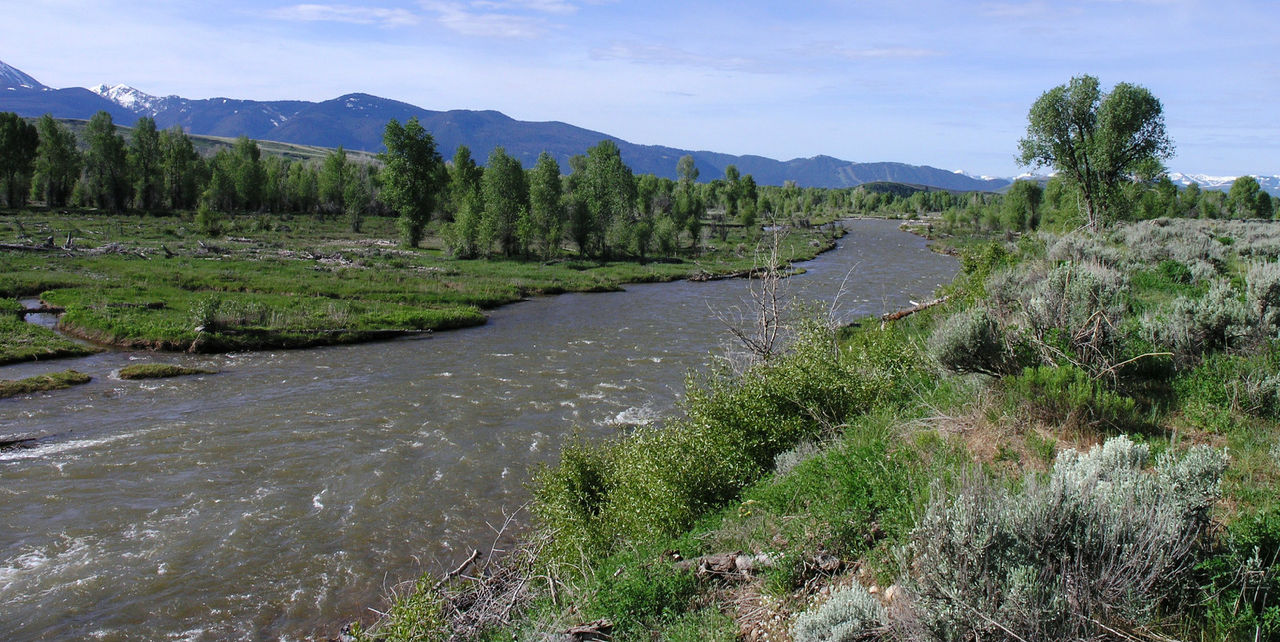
point(57, 164)
point(546, 208)
point(506, 203)
point(106, 181)
point(335, 174)
point(465, 204)
point(179, 165)
point(1095, 140)
point(609, 190)
point(464, 182)
point(412, 177)
point(144, 164)
point(248, 173)
point(19, 142)
point(1242, 198)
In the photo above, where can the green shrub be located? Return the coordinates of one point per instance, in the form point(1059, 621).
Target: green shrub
point(638, 594)
point(1077, 307)
point(1100, 543)
point(1193, 327)
point(1241, 586)
point(847, 616)
point(1262, 295)
point(971, 341)
point(704, 625)
point(865, 486)
point(658, 480)
point(415, 617)
point(1068, 395)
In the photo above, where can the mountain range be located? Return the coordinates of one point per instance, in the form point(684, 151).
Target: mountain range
point(356, 121)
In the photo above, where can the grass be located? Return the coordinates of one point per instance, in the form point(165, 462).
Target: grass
point(42, 383)
point(159, 371)
point(22, 341)
point(294, 281)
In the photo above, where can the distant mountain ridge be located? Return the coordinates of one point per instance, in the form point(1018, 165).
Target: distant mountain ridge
point(356, 121)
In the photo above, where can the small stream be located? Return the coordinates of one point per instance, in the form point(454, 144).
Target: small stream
point(294, 489)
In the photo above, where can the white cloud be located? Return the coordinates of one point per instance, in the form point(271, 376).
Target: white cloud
point(476, 19)
point(540, 6)
point(657, 54)
point(346, 13)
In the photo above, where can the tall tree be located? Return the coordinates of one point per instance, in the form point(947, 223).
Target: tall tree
point(686, 171)
point(178, 168)
point(689, 207)
point(19, 142)
point(357, 196)
point(220, 193)
point(106, 180)
point(609, 187)
point(248, 173)
point(1096, 140)
point(464, 181)
point(335, 174)
point(57, 164)
point(144, 164)
point(1021, 207)
point(1242, 198)
point(412, 176)
point(506, 203)
point(546, 208)
point(304, 190)
point(1189, 199)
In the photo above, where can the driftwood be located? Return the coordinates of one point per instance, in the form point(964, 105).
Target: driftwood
point(906, 312)
point(27, 248)
point(475, 555)
point(43, 309)
point(598, 630)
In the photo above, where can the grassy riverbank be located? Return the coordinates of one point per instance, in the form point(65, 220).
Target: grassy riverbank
point(42, 383)
point(1081, 443)
point(283, 282)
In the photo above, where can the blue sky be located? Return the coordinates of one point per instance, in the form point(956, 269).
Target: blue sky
point(943, 83)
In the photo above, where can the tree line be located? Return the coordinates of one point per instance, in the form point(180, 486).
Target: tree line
point(598, 209)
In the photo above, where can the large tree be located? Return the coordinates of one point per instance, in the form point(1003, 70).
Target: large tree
point(144, 163)
point(179, 166)
point(57, 162)
point(546, 209)
point(609, 188)
point(106, 179)
point(1096, 141)
point(335, 173)
point(412, 177)
point(19, 142)
point(506, 204)
point(1242, 199)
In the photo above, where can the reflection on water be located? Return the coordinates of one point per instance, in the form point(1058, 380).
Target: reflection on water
point(291, 490)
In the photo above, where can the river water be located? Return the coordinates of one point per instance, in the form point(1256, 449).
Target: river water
point(294, 489)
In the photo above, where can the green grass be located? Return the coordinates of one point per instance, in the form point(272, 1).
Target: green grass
point(22, 341)
point(295, 281)
point(159, 371)
point(41, 383)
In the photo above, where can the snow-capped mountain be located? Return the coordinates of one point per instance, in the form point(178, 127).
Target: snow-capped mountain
point(12, 79)
point(1269, 184)
point(129, 98)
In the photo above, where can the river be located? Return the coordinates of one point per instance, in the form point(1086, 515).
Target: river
point(294, 489)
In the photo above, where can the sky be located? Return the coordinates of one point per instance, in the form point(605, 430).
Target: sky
point(946, 83)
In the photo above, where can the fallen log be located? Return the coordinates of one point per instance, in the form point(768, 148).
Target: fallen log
point(906, 312)
point(27, 248)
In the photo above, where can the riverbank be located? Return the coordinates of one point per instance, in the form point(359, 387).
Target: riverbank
point(154, 283)
point(293, 490)
point(1098, 405)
